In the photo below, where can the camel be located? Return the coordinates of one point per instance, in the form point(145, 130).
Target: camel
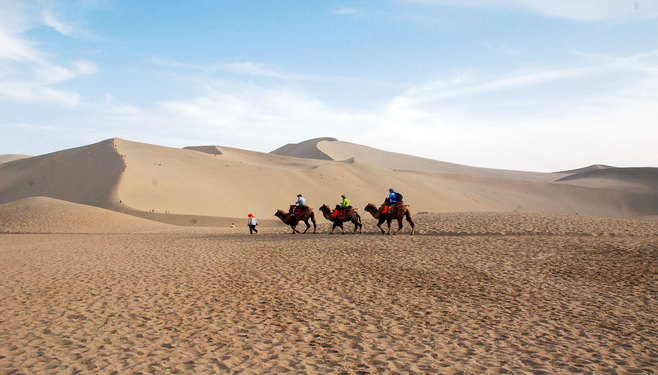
point(291, 220)
point(399, 212)
point(353, 216)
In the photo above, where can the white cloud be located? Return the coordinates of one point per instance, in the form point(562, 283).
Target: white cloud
point(51, 20)
point(30, 91)
point(346, 11)
point(85, 67)
point(584, 10)
point(246, 68)
point(28, 126)
point(29, 74)
point(13, 47)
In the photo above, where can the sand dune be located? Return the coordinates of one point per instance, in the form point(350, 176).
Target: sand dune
point(47, 215)
point(86, 175)
point(594, 167)
point(6, 158)
point(201, 183)
point(307, 149)
point(641, 178)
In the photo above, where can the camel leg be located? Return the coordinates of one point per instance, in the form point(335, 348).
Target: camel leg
point(399, 226)
point(307, 226)
point(411, 222)
point(333, 228)
point(388, 224)
point(379, 225)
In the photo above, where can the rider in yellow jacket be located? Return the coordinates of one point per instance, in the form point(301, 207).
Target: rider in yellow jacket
point(343, 204)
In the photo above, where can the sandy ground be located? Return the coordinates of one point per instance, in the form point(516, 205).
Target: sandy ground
point(472, 293)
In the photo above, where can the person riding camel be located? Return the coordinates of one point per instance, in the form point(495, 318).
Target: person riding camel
point(341, 206)
point(393, 198)
point(299, 204)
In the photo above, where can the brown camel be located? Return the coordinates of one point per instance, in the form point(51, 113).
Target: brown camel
point(399, 212)
point(291, 220)
point(352, 216)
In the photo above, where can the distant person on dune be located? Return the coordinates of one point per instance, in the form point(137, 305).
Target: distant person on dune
point(252, 222)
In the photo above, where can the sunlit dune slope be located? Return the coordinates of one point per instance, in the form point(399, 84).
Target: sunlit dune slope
point(47, 215)
point(6, 158)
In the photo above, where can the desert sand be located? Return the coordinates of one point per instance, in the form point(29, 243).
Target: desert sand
point(119, 257)
point(471, 293)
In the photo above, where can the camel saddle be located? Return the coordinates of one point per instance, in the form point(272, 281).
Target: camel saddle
point(342, 213)
point(297, 211)
point(386, 209)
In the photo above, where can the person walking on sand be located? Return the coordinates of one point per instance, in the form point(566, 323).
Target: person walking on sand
point(252, 222)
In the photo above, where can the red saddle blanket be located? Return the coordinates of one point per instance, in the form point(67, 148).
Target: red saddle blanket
point(341, 214)
point(297, 211)
point(389, 209)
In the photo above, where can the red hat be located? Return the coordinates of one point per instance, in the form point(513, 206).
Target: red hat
point(250, 215)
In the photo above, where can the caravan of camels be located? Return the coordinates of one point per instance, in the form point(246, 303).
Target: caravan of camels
point(393, 208)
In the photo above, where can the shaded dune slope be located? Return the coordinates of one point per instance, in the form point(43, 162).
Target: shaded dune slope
point(646, 177)
point(594, 167)
point(213, 150)
point(307, 149)
point(86, 175)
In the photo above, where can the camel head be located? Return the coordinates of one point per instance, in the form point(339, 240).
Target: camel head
point(371, 208)
point(279, 213)
point(325, 208)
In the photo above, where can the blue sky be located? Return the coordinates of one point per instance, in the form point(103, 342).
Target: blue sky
point(527, 85)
